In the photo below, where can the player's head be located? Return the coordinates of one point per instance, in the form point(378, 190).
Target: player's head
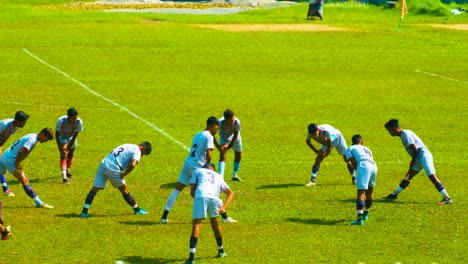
point(145, 148)
point(212, 125)
point(209, 166)
point(20, 119)
point(45, 135)
point(357, 139)
point(393, 127)
point(72, 114)
point(228, 117)
point(312, 128)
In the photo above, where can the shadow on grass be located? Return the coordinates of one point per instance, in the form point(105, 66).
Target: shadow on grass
point(140, 259)
point(170, 185)
point(75, 215)
point(140, 223)
point(316, 221)
point(278, 186)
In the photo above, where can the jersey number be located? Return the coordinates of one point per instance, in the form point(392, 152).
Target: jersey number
point(14, 144)
point(194, 147)
point(118, 151)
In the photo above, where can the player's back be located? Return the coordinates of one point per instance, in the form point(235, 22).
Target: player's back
point(361, 153)
point(121, 156)
point(409, 138)
point(201, 142)
point(209, 183)
point(28, 141)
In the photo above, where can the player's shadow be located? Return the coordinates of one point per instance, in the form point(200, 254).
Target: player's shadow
point(279, 186)
point(140, 259)
point(316, 221)
point(139, 223)
point(170, 185)
point(75, 215)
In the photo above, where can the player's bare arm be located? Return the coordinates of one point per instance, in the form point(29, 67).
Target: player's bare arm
point(415, 155)
point(311, 146)
point(208, 155)
point(230, 196)
point(352, 161)
point(193, 188)
point(233, 141)
point(72, 141)
point(327, 151)
point(20, 157)
point(129, 169)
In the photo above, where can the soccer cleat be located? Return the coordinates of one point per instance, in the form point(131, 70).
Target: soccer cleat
point(141, 212)
point(83, 215)
point(446, 200)
point(9, 193)
point(44, 205)
point(229, 220)
point(6, 234)
point(65, 181)
point(221, 254)
point(357, 222)
point(365, 217)
point(235, 178)
point(69, 176)
point(311, 183)
point(391, 196)
point(164, 221)
point(189, 261)
point(354, 180)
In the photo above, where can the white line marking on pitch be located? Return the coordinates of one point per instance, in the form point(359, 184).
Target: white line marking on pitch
point(109, 100)
point(440, 76)
point(54, 106)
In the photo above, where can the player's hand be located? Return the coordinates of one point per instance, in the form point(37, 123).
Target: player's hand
point(225, 147)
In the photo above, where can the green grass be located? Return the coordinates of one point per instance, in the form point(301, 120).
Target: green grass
point(175, 75)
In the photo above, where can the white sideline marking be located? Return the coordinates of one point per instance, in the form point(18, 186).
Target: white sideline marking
point(54, 106)
point(440, 76)
point(109, 100)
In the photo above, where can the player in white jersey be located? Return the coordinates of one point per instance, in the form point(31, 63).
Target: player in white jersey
point(421, 158)
point(329, 137)
point(229, 138)
point(205, 187)
point(199, 154)
point(366, 172)
point(66, 133)
point(9, 127)
point(13, 157)
point(115, 167)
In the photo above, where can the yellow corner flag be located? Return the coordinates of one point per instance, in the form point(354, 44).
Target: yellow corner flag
point(403, 12)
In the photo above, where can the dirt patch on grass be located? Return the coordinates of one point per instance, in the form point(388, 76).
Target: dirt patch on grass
point(454, 26)
point(272, 27)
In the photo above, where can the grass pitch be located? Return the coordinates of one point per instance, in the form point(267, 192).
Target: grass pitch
point(174, 75)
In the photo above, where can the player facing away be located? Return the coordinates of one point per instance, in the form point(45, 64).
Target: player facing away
point(4, 230)
point(229, 138)
point(66, 133)
point(200, 154)
point(9, 127)
point(115, 167)
point(366, 172)
point(205, 187)
point(421, 158)
point(329, 137)
point(13, 157)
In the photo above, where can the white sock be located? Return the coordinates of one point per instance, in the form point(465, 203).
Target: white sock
point(172, 199)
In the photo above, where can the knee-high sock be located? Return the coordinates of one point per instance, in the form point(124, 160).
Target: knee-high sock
point(4, 183)
point(171, 200)
point(88, 201)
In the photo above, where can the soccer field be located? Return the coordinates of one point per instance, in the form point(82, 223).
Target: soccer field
point(157, 78)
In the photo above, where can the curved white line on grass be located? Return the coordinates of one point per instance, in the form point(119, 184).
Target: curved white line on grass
point(440, 76)
point(123, 108)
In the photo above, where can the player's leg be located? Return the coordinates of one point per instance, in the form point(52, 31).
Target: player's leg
point(404, 183)
point(237, 160)
point(194, 239)
point(428, 165)
point(370, 191)
point(99, 184)
point(19, 174)
point(5, 231)
point(171, 201)
point(3, 181)
point(222, 162)
point(360, 204)
point(70, 154)
point(362, 184)
point(63, 159)
point(316, 166)
point(218, 235)
point(130, 200)
point(340, 145)
point(224, 215)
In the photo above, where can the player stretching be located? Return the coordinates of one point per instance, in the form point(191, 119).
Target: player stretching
point(9, 127)
point(366, 173)
point(13, 157)
point(229, 137)
point(199, 155)
point(329, 137)
point(115, 167)
point(66, 133)
point(421, 158)
point(205, 187)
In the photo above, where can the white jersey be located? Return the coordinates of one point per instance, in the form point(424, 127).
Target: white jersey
point(201, 142)
point(121, 157)
point(227, 131)
point(66, 129)
point(409, 138)
point(209, 183)
point(6, 130)
point(28, 141)
point(327, 131)
point(359, 153)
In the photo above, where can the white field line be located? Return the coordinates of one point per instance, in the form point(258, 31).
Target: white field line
point(440, 76)
point(312, 162)
point(54, 106)
point(109, 100)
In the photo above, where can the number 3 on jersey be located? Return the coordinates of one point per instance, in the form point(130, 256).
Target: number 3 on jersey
point(194, 149)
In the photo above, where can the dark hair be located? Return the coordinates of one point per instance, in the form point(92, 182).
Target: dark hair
point(147, 146)
point(212, 121)
point(21, 116)
point(312, 128)
point(207, 165)
point(48, 133)
point(72, 112)
point(228, 114)
point(356, 139)
point(393, 123)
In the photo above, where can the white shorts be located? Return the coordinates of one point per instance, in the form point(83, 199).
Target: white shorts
point(103, 174)
point(7, 165)
point(67, 140)
point(366, 175)
point(339, 144)
point(237, 145)
point(186, 173)
point(425, 161)
point(201, 206)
